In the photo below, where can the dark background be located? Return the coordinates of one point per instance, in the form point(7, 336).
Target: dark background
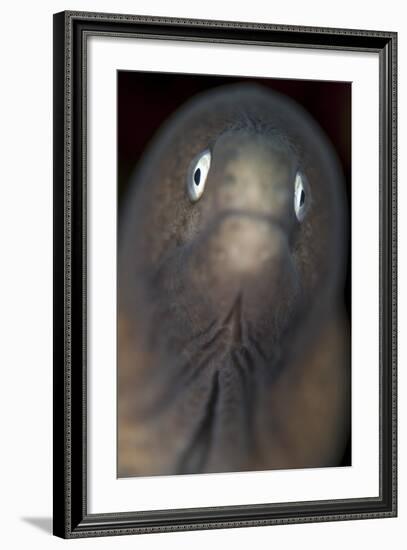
point(145, 100)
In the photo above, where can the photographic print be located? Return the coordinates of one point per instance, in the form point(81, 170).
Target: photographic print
point(233, 281)
point(225, 274)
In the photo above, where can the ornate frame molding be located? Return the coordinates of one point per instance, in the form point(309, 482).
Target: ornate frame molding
point(71, 30)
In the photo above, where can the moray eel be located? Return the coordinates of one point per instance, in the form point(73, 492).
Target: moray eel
point(233, 344)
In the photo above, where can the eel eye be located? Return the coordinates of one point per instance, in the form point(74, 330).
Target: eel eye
point(301, 198)
point(197, 175)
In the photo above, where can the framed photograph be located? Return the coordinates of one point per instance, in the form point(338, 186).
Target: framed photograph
point(224, 274)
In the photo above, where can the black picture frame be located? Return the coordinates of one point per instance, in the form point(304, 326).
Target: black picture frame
point(71, 518)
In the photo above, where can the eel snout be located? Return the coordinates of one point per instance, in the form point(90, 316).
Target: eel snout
point(246, 214)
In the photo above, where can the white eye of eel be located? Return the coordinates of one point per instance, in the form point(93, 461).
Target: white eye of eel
point(197, 174)
point(301, 196)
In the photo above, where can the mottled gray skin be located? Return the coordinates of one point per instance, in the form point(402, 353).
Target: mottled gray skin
point(233, 348)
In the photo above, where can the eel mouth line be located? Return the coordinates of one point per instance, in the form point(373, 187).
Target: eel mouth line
point(196, 454)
